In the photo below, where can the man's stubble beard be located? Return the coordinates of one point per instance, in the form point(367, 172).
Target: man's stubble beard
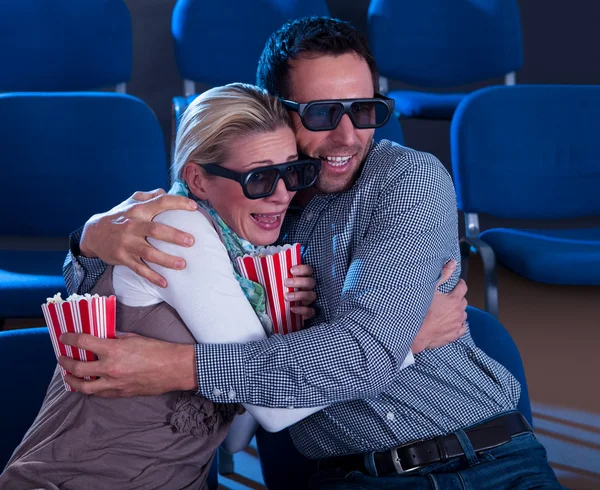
point(343, 183)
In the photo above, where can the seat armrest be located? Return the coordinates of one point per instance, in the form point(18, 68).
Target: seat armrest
point(476, 245)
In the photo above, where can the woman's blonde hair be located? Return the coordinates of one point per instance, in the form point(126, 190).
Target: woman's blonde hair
point(218, 117)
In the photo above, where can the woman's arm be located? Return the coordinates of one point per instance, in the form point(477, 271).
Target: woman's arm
point(211, 303)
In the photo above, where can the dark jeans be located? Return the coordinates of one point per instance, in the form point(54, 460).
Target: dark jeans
point(518, 465)
point(283, 467)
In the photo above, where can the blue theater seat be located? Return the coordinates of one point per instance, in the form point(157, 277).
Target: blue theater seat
point(27, 362)
point(65, 157)
point(64, 45)
point(530, 152)
point(443, 44)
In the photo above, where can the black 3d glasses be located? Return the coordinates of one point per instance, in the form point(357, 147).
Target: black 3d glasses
point(262, 181)
point(325, 115)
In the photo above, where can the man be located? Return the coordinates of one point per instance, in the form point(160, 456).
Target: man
point(378, 227)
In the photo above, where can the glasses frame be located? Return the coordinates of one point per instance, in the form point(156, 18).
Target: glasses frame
point(242, 178)
point(346, 104)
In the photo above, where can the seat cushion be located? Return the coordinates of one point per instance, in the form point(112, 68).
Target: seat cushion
point(27, 278)
point(570, 257)
point(425, 105)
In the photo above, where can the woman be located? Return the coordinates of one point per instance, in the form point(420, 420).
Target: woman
point(236, 153)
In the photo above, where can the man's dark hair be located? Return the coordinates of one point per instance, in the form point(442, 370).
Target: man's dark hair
point(309, 36)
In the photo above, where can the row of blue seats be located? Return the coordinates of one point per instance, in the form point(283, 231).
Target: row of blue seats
point(520, 152)
point(73, 45)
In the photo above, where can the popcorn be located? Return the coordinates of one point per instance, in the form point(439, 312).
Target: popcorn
point(270, 266)
point(92, 314)
point(57, 298)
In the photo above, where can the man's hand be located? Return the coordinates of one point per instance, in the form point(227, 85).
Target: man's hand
point(445, 320)
point(118, 237)
point(130, 365)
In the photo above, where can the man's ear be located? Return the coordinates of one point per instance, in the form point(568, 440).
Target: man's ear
point(196, 180)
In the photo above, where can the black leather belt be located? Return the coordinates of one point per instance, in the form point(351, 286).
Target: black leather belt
point(414, 455)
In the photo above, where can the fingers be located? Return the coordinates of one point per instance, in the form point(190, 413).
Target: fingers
point(163, 233)
point(164, 202)
point(142, 196)
point(87, 387)
point(303, 283)
point(460, 290)
point(303, 297)
point(302, 270)
point(85, 341)
point(447, 271)
point(141, 269)
point(80, 369)
point(305, 311)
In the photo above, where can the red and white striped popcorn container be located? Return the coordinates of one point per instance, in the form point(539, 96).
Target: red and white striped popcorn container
point(94, 315)
point(269, 267)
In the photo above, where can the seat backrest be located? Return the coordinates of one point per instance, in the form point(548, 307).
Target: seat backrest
point(64, 45)
point(528, 151)
point(493, 339)
point(391, 131)
point(220, 42)
point(67, 156)
point(445, 43)
point(27, 362)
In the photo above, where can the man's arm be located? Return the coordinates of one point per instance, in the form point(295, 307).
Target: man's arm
point(393, 230)
point(387, 292)
point(80, 273)
point(118, 237)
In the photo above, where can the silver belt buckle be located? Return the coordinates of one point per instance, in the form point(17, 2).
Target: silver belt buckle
point(398, 464)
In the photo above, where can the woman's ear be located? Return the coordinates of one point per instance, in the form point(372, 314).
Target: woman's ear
point(196, 180)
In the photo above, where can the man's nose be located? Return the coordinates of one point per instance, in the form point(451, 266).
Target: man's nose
point(345, 133)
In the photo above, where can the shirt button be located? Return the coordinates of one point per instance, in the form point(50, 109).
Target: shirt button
point(309, 216)
point(390, 416)
point(231, 394)
point(290, 407)
point(217, 392)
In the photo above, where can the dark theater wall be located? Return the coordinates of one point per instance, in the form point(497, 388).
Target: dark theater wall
point(561, 44)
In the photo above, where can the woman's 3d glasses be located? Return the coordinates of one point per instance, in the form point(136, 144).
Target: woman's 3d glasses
point(325, 115)
point(262, 181)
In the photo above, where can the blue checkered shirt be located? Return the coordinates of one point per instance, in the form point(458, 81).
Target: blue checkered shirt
point(377, 250)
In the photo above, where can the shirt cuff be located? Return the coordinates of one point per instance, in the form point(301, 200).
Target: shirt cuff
point(221, 374)
point(86, 271)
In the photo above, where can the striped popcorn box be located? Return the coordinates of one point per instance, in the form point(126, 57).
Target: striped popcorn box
point(94, 315)
point(269, 267)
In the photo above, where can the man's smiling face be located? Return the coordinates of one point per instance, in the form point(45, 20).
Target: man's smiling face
point(343, 150)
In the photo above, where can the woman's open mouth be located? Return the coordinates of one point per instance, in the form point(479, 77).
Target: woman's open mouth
point(268, 221)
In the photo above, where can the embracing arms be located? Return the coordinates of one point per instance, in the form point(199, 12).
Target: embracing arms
point(443, 321)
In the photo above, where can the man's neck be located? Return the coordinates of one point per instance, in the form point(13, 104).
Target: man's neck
point(302, 198)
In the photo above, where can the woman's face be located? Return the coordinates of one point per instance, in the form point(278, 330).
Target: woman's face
point(256, 220)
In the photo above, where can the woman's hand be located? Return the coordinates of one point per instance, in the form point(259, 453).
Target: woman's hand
point(304, 295)
point(446, 319)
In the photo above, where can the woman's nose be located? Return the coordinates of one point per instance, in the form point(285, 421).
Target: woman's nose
point(281, 194)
